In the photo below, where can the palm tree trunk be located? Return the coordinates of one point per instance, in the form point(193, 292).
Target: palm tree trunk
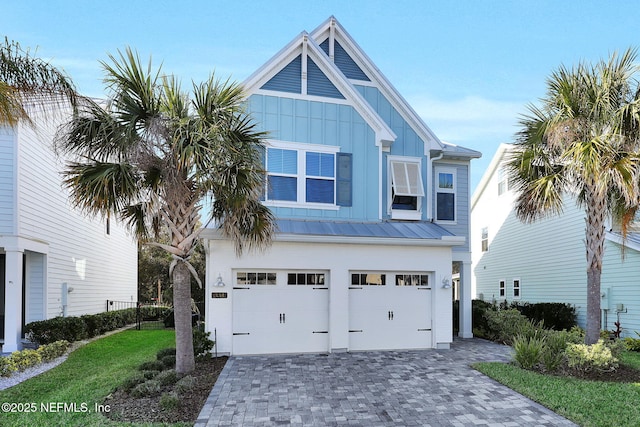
point(596, 213)
point(185, 360)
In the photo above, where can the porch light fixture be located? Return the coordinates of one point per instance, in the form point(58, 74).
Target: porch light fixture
point(446, 284)
point(219, 283)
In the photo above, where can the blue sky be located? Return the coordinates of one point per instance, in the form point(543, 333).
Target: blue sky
point(469, 68)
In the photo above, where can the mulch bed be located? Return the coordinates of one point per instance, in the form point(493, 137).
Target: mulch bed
point(147, 409)
point(623, 374)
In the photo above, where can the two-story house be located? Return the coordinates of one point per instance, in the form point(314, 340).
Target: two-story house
point(372, 211)
point(54, 260)
point(545, 261)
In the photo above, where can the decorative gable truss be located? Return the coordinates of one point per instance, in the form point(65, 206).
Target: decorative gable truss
point(303, 68)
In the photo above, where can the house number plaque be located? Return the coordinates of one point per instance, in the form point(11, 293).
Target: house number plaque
point(218, 294)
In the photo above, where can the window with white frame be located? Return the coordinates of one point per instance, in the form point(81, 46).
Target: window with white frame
point(503, 182)
point(516, 288)
point(502, 288)
point(485, 239)
point(304, 174)
point(445, 194)
point(406, 187)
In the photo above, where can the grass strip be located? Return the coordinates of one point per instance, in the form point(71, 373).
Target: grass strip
point(587, 403)
point(68, 394)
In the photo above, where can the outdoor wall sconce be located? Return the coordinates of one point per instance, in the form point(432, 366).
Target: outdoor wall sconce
point(445, 283)
point(219, 283)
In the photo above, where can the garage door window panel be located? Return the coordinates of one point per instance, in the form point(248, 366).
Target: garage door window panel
point(255, 278)
point(313, 279)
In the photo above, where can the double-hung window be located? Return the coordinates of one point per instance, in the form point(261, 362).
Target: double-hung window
point(407, 190)
point(306, 175)
point(445, 194)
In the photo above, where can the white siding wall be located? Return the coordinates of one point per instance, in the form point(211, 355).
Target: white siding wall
point(621, 279)
point(7, 181)
point(36, 293)
point(96, 265)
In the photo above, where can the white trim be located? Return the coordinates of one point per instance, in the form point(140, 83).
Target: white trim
point(387, 89)
point(301, 175)
point(436, 185)
point(513, 288)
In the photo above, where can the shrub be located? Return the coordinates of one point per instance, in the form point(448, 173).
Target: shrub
point(478, 321)
point(202, 344)
point(167, 377)
point(555, 315)
point(585, 358)
point(169, 401)
point(166, 352)
point(131, 382)
point(7, 366)
point(149, 375)
point(553, 353)
point(632, 344)
point(49, 352)
point(25, 359)
point(185, 384)
point(169, 361)
point(505, 324)
point(146, 389)
point(154, 365)
point(528, 350)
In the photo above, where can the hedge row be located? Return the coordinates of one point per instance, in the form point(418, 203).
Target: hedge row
point(21, 360)
point(555, 315)
point(78, 328)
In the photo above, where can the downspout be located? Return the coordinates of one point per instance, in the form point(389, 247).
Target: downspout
point(430, 187)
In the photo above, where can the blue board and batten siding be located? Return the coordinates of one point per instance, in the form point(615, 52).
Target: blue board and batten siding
point(462, 221)
point(325, 123)
point(7, 181)
point(344, 62)
point(288, 80)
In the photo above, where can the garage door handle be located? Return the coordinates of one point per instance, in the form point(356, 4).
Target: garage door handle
point(355, 330)
point(237, 287)
point(241, 333)
point(423, 330)
point(319, 289)
point(320, 332)
point(351, 287)
point(391, 315)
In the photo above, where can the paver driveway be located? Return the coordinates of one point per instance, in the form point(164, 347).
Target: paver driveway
point(390, 388)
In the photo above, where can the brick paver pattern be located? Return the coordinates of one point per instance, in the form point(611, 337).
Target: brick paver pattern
point(368, 389)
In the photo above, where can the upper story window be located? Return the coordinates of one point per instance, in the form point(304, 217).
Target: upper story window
point(485, 239)
point(406, 188)
point(445, 194)
point(308, 175)
point(503, 181)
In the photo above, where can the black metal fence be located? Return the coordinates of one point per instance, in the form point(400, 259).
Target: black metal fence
point(153, 316)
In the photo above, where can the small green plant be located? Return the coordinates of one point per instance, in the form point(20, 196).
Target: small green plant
point(153, 365)
point(48, 352)
point(7, 366)
point(528, 350)
point(505, 324)
point(202, 344)
point(553, 353)
point(150, 374)
point(185, 384)
point(146, 389)
point(167, 377)
point(169, 361)
point(131, 382)
point(166, 352)
point(585, 358)
point(632, 344)
point(25, 359)
point(169, 401)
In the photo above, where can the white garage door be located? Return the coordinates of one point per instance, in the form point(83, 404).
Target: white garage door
point(280, 312)
point(389, 311)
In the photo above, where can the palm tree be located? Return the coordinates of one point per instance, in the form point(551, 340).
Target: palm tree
point(28, 83)
point(152, 156)
point(583, 142)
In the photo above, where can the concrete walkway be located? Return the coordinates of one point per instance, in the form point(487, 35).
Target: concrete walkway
point(391, 388)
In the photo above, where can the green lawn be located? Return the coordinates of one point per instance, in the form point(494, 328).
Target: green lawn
point(84, 380)
point(587, 403)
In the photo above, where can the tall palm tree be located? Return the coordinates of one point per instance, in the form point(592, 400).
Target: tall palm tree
point(583, 142)
point(152, 155)
point(28, 83)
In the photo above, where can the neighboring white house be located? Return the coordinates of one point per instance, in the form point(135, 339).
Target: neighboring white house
point(54, 260)
point(546, 261)
point(372, 210)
